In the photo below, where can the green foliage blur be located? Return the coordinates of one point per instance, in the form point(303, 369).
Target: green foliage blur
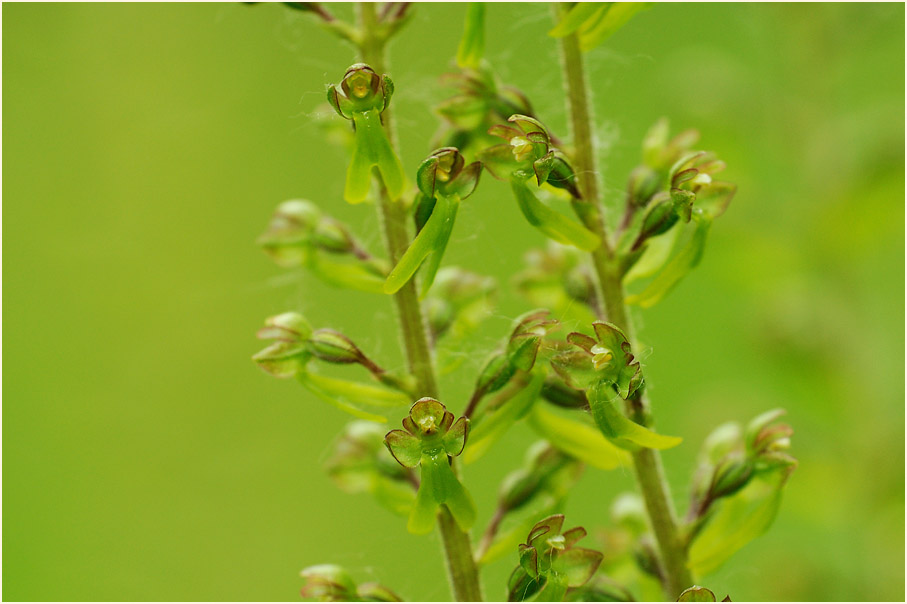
point(145, 147)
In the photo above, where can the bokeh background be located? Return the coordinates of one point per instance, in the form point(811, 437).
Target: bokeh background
point(145, 146)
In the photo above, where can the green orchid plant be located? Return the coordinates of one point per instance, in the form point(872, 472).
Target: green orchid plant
point(569, 369)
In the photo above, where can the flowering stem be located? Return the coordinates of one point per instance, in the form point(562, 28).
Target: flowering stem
point(646, 462)
point(462, 571)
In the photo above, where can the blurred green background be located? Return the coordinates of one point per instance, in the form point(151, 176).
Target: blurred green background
point(145, 146)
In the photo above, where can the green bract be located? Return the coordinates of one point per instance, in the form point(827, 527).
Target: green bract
point(472, 44)
point(594, 22)
point(430, 438)
point(362, 98)
point(579, 439)
point(607, 410)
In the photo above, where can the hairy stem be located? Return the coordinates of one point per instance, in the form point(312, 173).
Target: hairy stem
point(646, 462)
point(462, 571)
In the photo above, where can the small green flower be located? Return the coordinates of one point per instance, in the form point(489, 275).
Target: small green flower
point(518, 354)
point(606, 369)
point(605, 357)
point(550, 563)
point(528, 153)
point(331, 583)
point(362, 97)
point(731, 460)
point(444, 180)
point(430, 438)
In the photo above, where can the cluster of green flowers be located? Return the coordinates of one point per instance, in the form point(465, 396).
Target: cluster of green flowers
point(573, 391)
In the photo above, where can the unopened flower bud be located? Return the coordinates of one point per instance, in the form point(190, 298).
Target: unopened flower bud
point(328, 583)
point(547, 470)
point(374, 592)
point(288, 355)
point(290, 231)
point(760, 432)
point(524, 343)
point(332, 236)
point(288, 326)
point(557, 392)
point(720, 442)
point(334, 347)
point(731, 475)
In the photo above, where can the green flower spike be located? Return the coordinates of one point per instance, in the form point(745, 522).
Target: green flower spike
point(443, 180)
point(431, 437)
point(607, 370)
point(362, 97)
point(550, 563)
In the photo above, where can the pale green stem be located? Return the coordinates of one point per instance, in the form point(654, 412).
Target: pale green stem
point(462, 571)
point(590, 209)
